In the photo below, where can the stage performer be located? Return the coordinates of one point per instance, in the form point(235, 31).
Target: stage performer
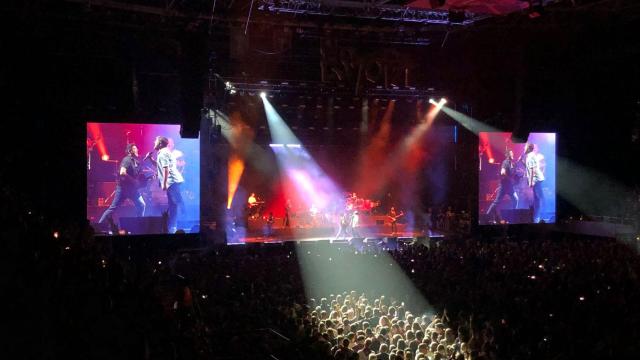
point(270, 220)
point(393, 216)
point(252, 200)
point(344, 223)
point(127, 186)
point(354, 224)
point(170, 180)
point(506, 187)
point(535, 179)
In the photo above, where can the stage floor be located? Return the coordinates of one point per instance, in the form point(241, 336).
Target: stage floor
point(238, 236)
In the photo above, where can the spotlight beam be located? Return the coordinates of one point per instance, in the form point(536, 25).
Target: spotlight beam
point(280, 131)
point(468, 122)
point(242, 143)
point(309, 180)
point(236, 168)
point(385, 173)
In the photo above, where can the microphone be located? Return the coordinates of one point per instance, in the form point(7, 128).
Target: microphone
point(148, 155)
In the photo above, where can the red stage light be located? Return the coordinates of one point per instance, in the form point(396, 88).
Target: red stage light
point(105, 157)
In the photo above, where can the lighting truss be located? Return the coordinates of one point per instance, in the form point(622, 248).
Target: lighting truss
point(364, 10)
point(316, 88)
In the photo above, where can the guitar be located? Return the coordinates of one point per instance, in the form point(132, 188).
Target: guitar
point(519, 171)
point(140, 181)
point(395, 218)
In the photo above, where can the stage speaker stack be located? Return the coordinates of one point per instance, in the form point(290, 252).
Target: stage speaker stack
point(193, 68)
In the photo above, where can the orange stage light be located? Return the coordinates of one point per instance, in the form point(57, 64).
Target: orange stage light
point(236, 168)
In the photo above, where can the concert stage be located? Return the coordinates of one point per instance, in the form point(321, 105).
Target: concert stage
point(366, 235)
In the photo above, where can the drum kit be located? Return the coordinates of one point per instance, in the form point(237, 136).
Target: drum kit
point(363, 205)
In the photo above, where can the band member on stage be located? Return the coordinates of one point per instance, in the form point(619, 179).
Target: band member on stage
point(393, 216)
point(252, 206)
point(535, 178)
point(506, 187)
point(314, 219)
point(170, 180)
point(313, 210)
point(344, 223)
point(427, 221)
point(127, 187)
point(354, 225)
point(270, 220)
point(252, 199)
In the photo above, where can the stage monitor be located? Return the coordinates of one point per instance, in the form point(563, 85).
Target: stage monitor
point(127, 165)
point(517, 181)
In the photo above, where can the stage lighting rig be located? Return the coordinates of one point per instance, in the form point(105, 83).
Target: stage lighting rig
point(368, 10)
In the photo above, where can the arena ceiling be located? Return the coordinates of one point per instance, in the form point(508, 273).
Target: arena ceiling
point(493, 7)
point(392, 12)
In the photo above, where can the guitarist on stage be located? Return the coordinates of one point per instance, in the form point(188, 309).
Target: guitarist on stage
point(506, 187)
point(127, 185)
point(393, 215)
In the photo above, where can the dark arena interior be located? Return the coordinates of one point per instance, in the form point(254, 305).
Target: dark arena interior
point(321, 179)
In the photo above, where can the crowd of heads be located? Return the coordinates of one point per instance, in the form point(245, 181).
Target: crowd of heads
point(523, 297)
point(350, 326)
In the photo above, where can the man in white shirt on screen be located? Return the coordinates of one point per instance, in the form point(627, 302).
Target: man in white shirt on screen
point(170, 180)
point(535, 179)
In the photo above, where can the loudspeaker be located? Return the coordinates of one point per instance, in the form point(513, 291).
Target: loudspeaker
point(142, 225)
point(517, 216)
point(192, 70)
point(215, 133)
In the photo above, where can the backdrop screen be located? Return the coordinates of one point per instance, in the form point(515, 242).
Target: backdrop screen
point(517, 181)
point(126, 191)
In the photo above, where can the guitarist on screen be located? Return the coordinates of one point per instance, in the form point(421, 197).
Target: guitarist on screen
point(506, 187)
point(127, 185)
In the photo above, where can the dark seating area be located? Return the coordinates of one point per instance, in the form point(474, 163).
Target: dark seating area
point(77, 295)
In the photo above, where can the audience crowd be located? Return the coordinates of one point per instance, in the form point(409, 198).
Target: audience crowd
point(543, 296)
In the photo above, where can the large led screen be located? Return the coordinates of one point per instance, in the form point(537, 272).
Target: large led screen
point(517, 180)
point(142, 179)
